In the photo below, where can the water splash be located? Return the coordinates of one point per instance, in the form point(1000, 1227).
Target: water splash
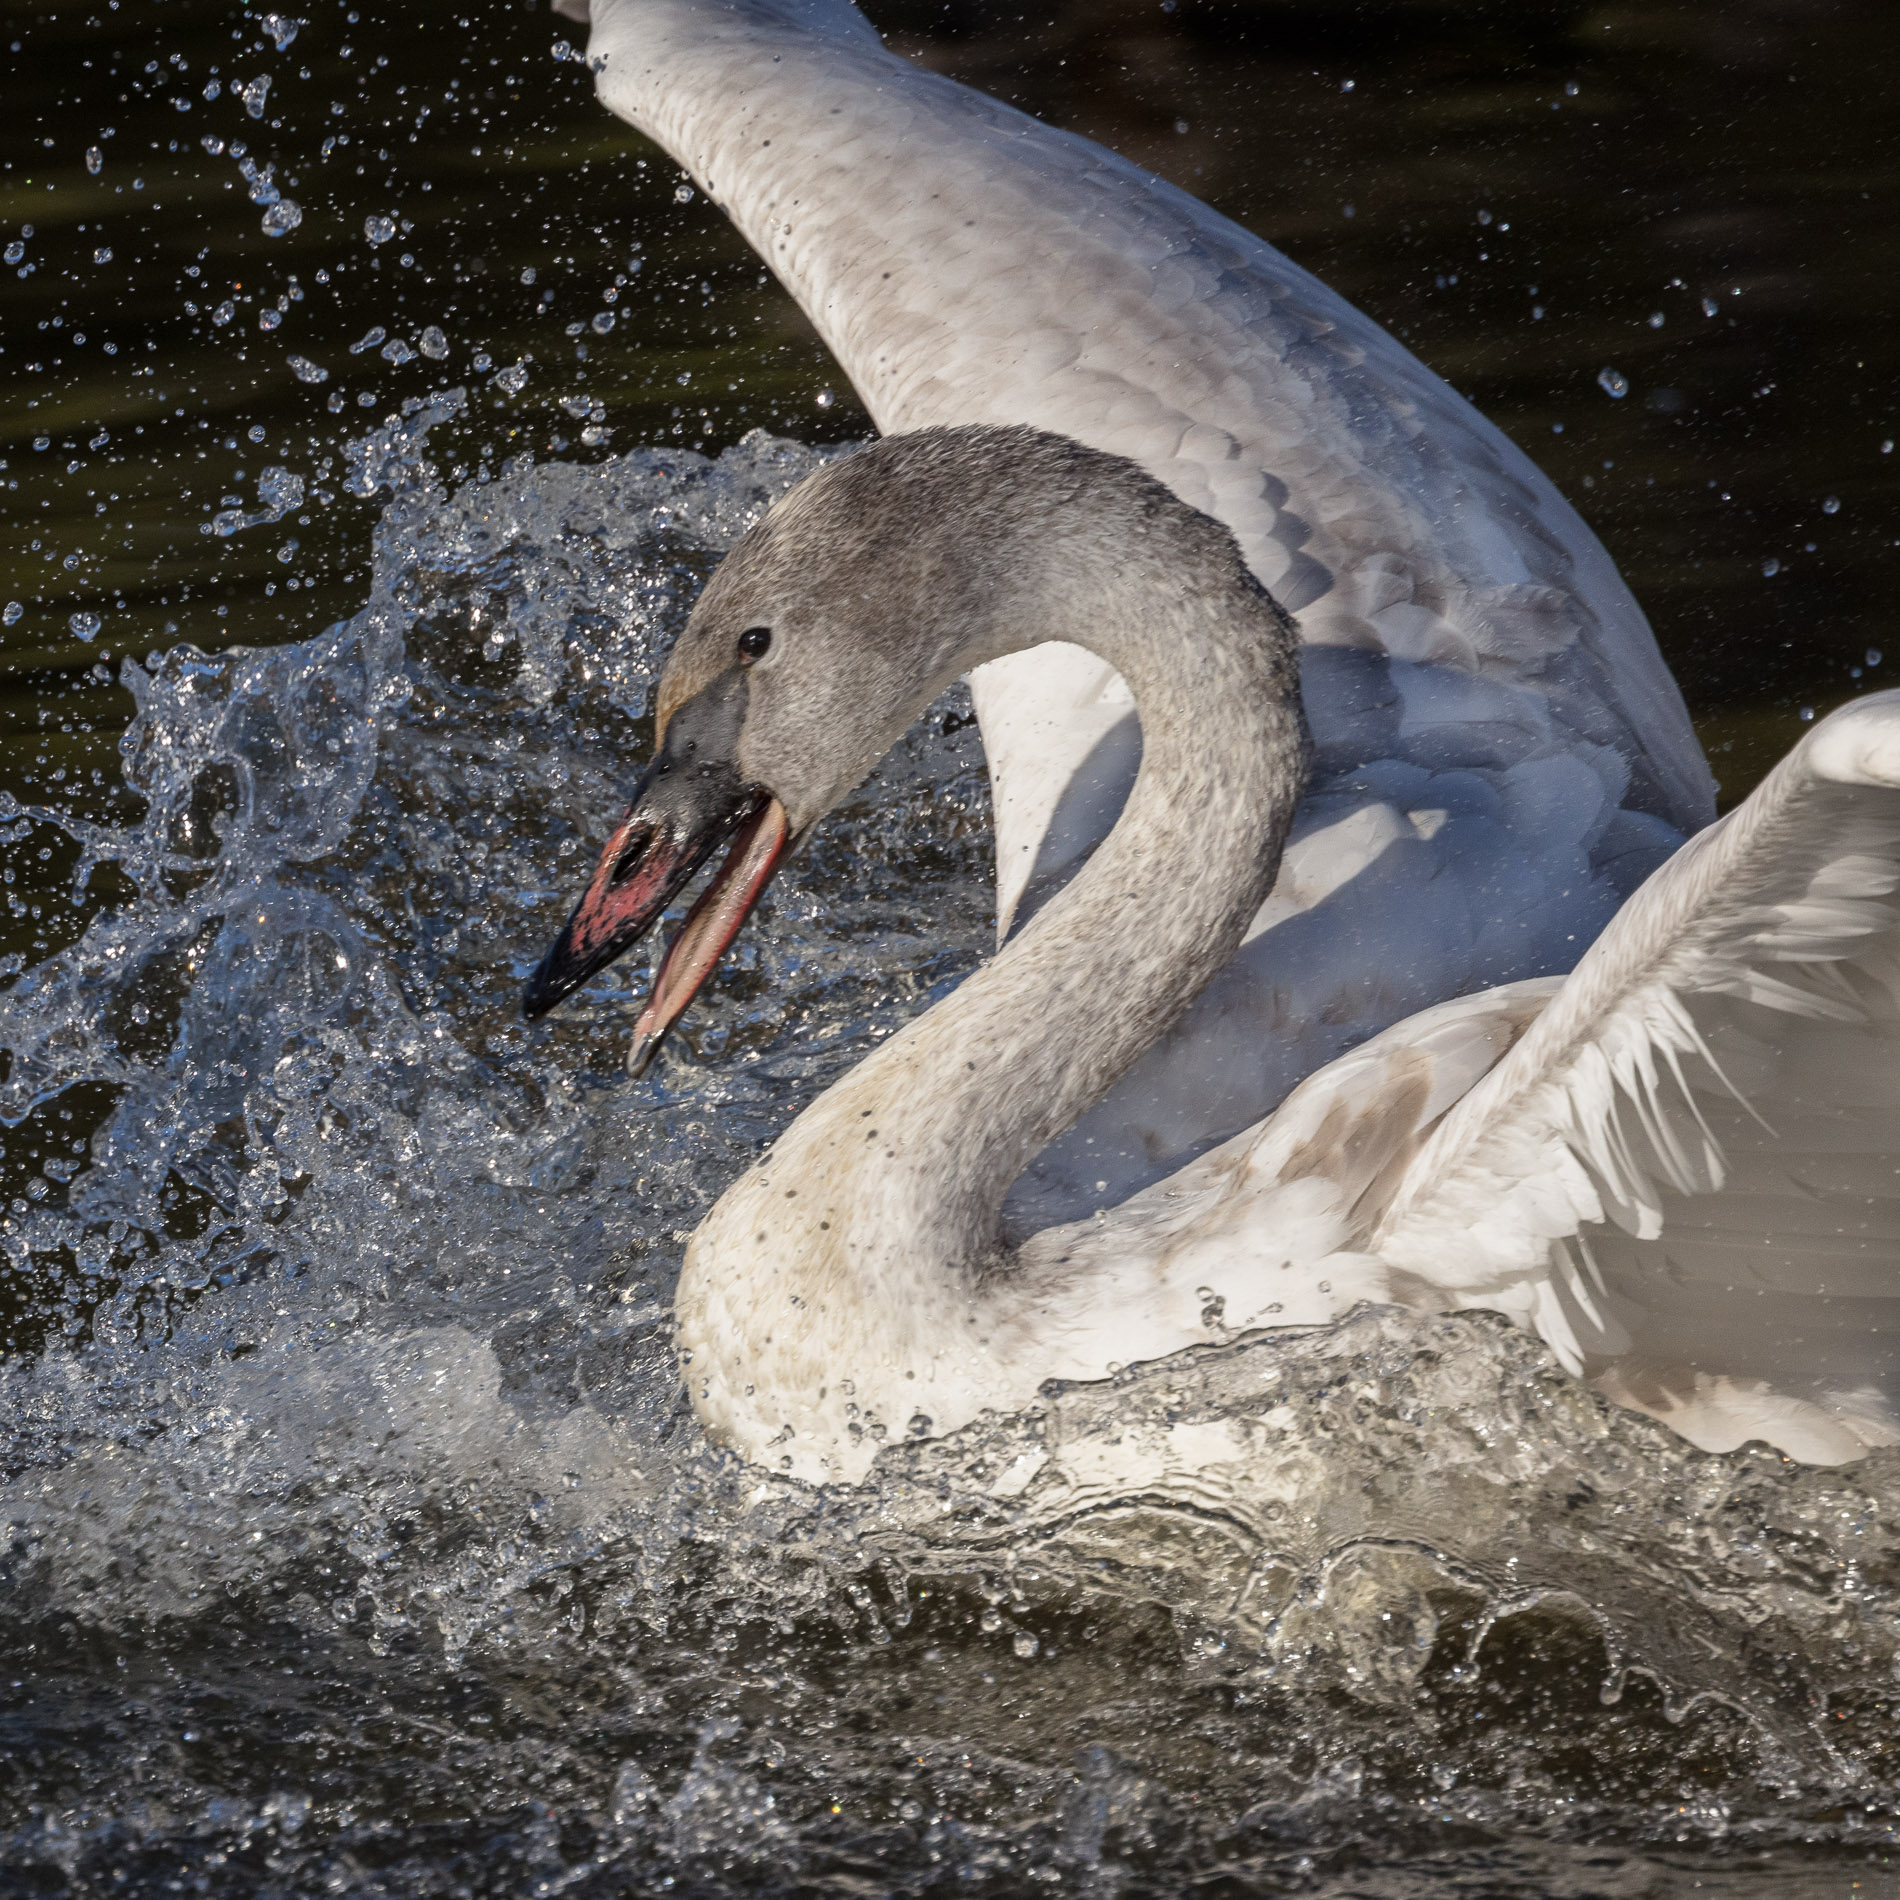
point(345, 1474)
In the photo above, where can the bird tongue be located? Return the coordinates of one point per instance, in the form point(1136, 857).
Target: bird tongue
point(758, 848)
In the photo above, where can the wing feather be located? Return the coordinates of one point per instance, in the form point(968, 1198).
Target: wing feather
point(1687, 1171)
point(1501, 751)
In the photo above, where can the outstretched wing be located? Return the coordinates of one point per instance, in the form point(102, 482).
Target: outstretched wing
point(967, 263)
point(1686, 1175)
point(1501, 754)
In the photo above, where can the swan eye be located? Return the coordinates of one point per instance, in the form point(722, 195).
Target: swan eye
point(753, 642)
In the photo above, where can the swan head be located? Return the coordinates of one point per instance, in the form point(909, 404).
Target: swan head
point(824, 634)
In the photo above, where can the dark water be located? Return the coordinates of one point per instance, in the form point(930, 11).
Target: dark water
point(357, 1541)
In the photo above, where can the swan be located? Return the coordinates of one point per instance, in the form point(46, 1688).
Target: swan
point(1500, 755)
point(1679, 1165)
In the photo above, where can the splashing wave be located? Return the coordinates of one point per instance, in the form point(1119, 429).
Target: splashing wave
point(358, 1539)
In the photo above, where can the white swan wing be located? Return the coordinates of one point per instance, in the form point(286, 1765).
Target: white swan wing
point(1686, 1175)
point(969, 263)
point(1502, 754)
point(1268, 1229)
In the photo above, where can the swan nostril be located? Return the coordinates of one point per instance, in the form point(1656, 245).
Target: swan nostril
point(627, 859)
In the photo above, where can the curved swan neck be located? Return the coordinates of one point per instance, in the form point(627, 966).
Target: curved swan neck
point(980, 1085)
point(956, 547)
point(850, 1276)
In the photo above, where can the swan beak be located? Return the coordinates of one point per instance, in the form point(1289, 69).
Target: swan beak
point(647, 862)
point(758, 849)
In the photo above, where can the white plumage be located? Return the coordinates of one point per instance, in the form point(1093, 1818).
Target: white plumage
point(1503, 755)
point(1680, 1164)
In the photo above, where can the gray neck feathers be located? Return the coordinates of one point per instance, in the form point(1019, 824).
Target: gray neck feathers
point(1066, 544)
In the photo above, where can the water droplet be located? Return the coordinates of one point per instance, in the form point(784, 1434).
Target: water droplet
point(1771, 567)
point(433, 344)
point(212, 88)
point(527, 274)
point(103, 255)
point(603, 321)
point(825, 399)
point(279, 491)
point(288, 549)
point(1873, 656)
point(1570, 88)
point(1708, 306)
point(1807, 713)
point(10, 613)
point(397, 351)
point(14, 252)
point(1832, 506)
point(683, 195)
point(282, 217)
point(85, 625)
point(281, 28)
point(1613, 382)
point(1484, 217)
point(256, 432)
point(306, 371)
point(379, 229)
point(224, 312)
point(481, 360)
point(990, 1621)
point(269, 319)
point(368, 340)
point(253, 93)
point(512, 381)
point(95, 160)
point(1657, 319)
point(1180, 125)
point(212, 145)
point(1347, 85)
point(1024, 1644)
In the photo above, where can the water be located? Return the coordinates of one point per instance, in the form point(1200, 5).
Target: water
point(356, 1540)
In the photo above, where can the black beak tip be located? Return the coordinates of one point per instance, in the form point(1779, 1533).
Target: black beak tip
point(543, 990)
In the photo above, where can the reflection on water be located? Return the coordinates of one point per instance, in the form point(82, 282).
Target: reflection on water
point(356, 1539)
